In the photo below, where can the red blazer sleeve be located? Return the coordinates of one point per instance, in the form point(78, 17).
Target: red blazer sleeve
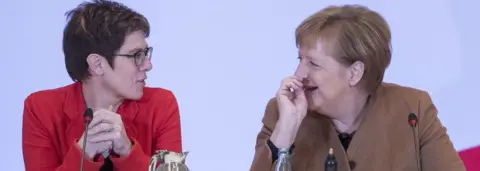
point(39, 153)
point(471, 158)
point(167, 134)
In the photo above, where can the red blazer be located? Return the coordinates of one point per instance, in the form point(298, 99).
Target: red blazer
point(53, 123)
point(471, 158)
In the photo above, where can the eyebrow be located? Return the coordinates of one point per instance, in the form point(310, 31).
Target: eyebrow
point(137, 49)
point(306, 56)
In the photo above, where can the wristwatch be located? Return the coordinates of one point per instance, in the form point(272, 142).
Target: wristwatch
point(274, 149)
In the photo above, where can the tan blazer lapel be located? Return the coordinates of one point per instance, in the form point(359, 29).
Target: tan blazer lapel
point(326, 138)
point(369, 137)
point(339, 151)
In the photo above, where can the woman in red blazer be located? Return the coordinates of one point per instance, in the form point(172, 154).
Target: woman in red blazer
point(107, 56)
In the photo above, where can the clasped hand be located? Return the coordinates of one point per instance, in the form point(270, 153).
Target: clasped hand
point(106, 132)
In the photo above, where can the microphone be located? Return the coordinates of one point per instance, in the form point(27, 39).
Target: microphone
point(330, 162)
point(87, 118)
point(412, 121)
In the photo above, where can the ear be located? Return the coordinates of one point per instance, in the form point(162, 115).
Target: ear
point(95, 66)
point(357, 69)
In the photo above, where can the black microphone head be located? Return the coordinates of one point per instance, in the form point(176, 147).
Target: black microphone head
point(412, 119)
point(330, 162)
point(88, 115)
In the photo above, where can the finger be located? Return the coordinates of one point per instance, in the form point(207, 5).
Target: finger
point(298, 84)
point(301, 99)
point(295, 80)
point(117, 127)
point(102, 117)
point(97, 111)
point(300, 79)
point(300, 93)
point(286, 88)
point(102, 146)
point(292, 84)
point(110, 108)
point(100, 128)
point(107, 136)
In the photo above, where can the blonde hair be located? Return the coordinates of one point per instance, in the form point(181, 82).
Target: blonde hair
point(352, 33)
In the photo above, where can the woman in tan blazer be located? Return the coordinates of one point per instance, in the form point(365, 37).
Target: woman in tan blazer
point(337, 99)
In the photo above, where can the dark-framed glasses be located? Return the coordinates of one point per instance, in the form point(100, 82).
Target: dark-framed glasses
point(140, 56)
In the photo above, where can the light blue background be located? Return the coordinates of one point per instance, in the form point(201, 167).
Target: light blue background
point(225, 59)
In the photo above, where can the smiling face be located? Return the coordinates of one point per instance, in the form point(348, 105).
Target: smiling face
point(344, 53)
point(326, 80)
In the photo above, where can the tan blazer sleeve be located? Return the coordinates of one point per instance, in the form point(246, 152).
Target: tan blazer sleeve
point(262, 160)
point(437, 152)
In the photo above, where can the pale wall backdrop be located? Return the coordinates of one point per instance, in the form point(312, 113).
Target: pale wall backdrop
point(224, 60)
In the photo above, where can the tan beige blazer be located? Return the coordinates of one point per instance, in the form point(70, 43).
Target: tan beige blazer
point(384, 140)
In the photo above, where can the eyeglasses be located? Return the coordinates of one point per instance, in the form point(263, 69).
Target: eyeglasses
point(140, 56)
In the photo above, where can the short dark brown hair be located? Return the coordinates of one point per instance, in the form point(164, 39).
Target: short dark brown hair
point(353, 33)
point(97, 27)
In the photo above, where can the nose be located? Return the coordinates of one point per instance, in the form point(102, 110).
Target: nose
point(301, 71)
point(147, 65)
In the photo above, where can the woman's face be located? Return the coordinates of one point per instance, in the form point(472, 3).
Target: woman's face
point(126, 78)
point(326, 81)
